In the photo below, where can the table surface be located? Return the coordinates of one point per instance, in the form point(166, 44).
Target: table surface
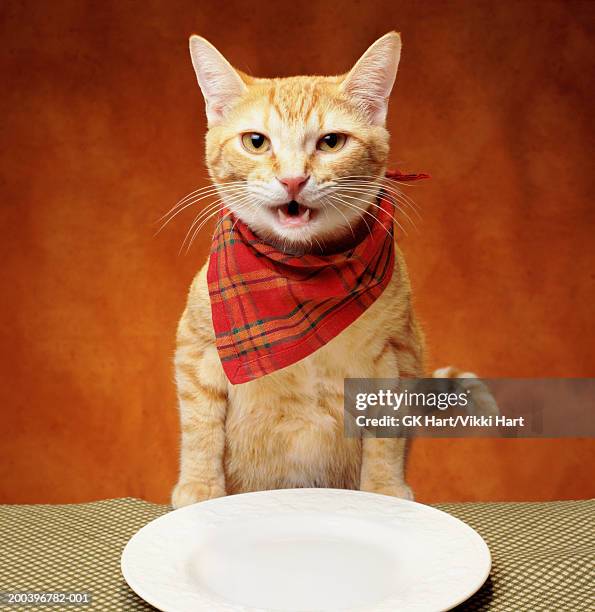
point(542, 552)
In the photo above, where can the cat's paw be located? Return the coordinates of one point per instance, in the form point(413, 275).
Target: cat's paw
point(482, 401)
point(400, 490)
point(190, 492)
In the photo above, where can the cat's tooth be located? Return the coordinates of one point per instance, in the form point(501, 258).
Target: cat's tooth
point(282, 215)
point(306, 215)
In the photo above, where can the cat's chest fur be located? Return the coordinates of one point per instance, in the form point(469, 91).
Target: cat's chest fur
point(286, 429)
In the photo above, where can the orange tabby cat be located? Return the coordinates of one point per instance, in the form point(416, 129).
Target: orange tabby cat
point(300, 160)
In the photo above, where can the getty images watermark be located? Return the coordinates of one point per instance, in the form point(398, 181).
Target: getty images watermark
point(470, 407)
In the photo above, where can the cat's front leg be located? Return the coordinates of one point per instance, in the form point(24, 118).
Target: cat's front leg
point(202, 396)
point(383, 463)
point(383, 459)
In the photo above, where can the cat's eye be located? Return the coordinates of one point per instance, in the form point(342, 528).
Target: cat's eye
point(254, 142)
point(331, 142)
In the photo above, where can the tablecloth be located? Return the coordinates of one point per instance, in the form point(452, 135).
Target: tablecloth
point(543, 553)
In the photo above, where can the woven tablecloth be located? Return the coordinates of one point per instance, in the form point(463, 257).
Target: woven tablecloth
point(543, 553)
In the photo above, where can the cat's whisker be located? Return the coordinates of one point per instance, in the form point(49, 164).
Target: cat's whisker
point(406, 200)
point(319, 245)
point(207, 207)
point(337, 198)
point(371, 177)
point(390, 185)
point(402, 211)
point(196, 226)
point(252, 205)
point(196, 199)
point(367, 202)
point(395, 219)
point(399, 203)
point(344, 217)
point(361, 210)
point(218, 196)
point(207, 213)
point(403, 198)
point(202, 191)
point(398, 208)
point(211, 211)
point(355, 207)
point(210, 208)
point(195, 229)
point(199, 192)
point(382, 182)
point(227, 214)
point(369, 228)
point(239, 204)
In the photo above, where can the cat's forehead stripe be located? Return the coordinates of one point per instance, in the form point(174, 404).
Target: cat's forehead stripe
point(292, 101)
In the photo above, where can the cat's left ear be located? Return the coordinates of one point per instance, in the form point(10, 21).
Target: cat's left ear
point(220, 83)
point(371, 80)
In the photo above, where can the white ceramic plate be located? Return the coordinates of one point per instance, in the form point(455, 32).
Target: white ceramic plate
point(306, 550)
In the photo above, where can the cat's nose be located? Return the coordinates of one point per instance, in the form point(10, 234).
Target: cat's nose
point(293, 184)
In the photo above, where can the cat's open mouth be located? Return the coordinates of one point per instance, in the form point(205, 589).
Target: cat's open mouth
point(294, 214)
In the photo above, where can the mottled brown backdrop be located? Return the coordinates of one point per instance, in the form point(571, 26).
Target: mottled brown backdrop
point(102, 131)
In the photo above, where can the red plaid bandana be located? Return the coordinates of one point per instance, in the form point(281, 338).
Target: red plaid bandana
point(271, 309)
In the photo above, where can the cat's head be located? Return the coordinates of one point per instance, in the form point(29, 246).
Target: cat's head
point(298, 159)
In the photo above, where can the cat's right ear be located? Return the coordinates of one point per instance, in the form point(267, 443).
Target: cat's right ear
point(220, 84)
point(371, 80)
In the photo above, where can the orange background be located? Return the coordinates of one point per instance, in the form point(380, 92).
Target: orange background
point(102, 128)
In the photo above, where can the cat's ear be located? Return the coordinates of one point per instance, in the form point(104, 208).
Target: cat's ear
point(371, 80)
point(219, 82)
